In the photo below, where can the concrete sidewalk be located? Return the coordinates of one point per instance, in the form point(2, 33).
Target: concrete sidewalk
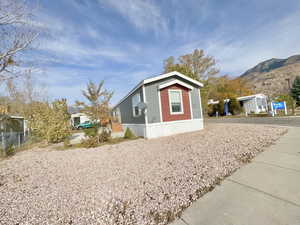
point(264, 192)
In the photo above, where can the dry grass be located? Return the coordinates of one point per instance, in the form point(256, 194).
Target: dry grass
point(137, 182)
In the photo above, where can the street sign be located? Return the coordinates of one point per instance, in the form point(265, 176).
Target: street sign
point(278, 105)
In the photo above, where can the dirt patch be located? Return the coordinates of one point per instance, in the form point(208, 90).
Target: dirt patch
point(137, 182)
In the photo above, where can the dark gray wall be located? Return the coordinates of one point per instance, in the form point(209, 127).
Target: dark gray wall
point(151, 92)
point(127, 112)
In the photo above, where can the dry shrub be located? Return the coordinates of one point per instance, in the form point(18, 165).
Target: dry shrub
point(90, 142)
point(95, 139)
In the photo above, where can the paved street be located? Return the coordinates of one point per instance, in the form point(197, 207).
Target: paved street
point(266, 191)
point(292, 121)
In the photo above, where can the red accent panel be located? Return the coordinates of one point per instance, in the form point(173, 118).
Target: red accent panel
point(165, 105)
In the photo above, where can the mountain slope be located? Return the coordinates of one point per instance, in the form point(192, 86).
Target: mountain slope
point(270, 77)
point(272, 64)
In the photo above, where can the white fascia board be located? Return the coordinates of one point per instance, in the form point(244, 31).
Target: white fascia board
point(175, 82)
point(16, 117)
point(166, 75)
point(250, 97)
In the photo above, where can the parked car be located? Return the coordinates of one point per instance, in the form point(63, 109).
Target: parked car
point(85, 125)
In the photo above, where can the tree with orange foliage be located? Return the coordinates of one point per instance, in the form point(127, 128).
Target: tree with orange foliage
point(223, 88)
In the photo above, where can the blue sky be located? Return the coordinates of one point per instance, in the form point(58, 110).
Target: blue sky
point(124, 41)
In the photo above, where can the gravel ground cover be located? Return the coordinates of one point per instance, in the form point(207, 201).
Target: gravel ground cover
point(137, 182)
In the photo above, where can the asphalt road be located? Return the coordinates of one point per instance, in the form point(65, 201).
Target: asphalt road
point(291, 121)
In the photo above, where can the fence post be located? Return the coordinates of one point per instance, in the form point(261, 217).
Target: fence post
point(285, 108)
point(272, 109)
point(2, 143)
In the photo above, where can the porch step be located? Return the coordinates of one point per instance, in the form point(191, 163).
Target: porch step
point(116, 127)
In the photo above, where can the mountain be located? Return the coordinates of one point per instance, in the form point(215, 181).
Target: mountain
point(270, 77)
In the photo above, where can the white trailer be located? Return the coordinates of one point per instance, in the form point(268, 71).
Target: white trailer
point(254, 103)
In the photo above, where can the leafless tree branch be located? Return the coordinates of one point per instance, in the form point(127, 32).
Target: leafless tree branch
point(17, 33)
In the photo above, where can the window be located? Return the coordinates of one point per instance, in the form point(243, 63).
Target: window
point(175, 99)
point(136, 99)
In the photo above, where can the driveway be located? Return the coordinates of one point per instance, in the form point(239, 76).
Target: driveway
point(291, 121)
point(266, 191)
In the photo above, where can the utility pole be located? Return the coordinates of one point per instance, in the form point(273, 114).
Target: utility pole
point(293, 105)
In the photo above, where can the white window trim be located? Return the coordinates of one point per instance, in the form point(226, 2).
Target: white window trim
point(191, 106)
point(133, 107)
point(181, 99)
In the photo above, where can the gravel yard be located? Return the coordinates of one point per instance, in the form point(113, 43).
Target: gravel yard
point(136, 182)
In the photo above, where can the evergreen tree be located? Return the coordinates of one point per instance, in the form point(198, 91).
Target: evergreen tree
point(295, 91)
point(234, 106)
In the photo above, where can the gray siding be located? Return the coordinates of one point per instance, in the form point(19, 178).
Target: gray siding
point(196, 104)
point(127, 112)
point(250, 106)
point(152, 99)
point(151, 92)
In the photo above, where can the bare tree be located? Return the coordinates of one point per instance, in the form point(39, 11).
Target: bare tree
point(17, 32)
point(22, 94)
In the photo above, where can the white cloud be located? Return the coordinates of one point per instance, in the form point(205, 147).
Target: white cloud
point(68, 46)
point(143, 14)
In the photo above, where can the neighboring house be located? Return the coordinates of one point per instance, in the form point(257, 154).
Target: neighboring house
point(78, 118)
point(254, 103)
point(161, 106)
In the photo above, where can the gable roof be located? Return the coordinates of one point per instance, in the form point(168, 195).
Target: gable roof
point(175, 82)
point(160, 77)
point(171, 74)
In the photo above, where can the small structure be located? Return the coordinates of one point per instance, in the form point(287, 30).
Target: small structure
point(160, 106)
point(78, 118)
point(254, 103)
point(13, 131)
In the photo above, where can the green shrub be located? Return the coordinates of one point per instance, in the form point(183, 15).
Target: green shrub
point(10, 150)
point(234, 106)
point(128, 134)
point(50, 122)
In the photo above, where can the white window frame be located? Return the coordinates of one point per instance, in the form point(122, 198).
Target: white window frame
point(133, 106)
point(170, 103)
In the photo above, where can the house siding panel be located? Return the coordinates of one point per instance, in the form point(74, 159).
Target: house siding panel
point(152, 97)
point(127, 112)
point(153, 112)
point(165, 104)
point(196, 103)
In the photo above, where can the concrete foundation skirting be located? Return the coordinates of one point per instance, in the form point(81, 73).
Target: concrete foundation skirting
point(138, 129)
point(154, 130)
